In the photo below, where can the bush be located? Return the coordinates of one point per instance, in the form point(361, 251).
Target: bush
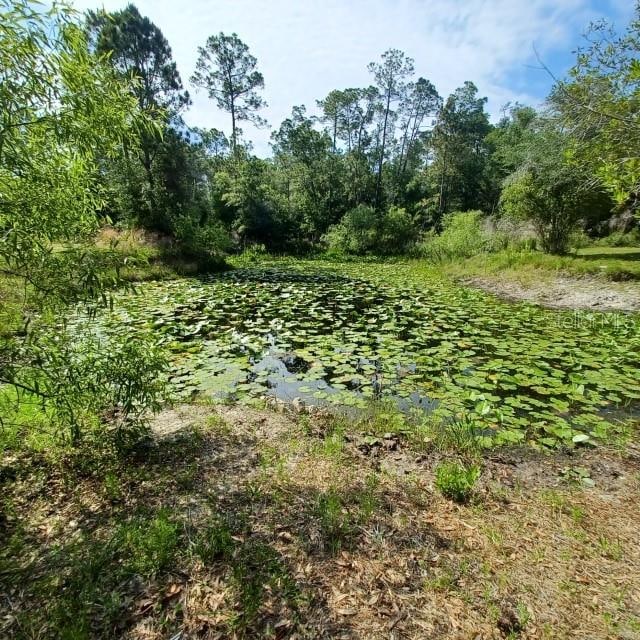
point(620, 239)
point(205, 244)
point(362, 230)
point(462, 236)
point(456, 480)
point(397, 233)
point(89, 386)
point(552, 193)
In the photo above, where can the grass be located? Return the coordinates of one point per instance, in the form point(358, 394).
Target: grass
point(607, 263)
point(147, 256)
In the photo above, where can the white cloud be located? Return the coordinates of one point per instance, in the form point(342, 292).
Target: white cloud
point(305, 48)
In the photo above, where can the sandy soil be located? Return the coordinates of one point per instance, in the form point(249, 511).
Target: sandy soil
point(564, 292)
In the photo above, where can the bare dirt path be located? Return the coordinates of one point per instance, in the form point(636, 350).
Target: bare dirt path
point(563, 292)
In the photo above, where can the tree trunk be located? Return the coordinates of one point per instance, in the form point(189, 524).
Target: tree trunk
point(382, 146)
point(233, 128)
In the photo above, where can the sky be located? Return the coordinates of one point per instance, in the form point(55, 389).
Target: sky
point(306, 48)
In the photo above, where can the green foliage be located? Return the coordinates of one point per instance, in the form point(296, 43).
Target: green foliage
point(598, 103)
point(162, 181)
point(78, 380)
point(205, 244)
point(63, 111)
point(550, 192)
point(61, 108)
point(362, 231)
point(306, 167)
point(340, 514)
point(397, 232)
point(619, 239)
point(462, 236)
point(456, 481)
point(150, 544)
point(137, 48)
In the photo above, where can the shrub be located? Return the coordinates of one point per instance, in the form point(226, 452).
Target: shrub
point(84, 382)
point(456, 480)
point(552, 193)
point(462, 236)
point(362, 230)
point(620, 239)
point(355, 233)
point(205, 244)
point(397, 233)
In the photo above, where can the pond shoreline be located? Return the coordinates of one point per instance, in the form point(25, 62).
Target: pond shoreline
point(563, 292)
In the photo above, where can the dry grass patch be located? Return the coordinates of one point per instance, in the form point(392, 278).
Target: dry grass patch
point(254, 524)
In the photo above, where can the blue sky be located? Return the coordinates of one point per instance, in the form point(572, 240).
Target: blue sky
point(306, 48)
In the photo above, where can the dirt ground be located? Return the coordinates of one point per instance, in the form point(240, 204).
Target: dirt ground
point(537, 554)
point(562, 292)
point(342, 538)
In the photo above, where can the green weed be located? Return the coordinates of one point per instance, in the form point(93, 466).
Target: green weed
point(611, 549)
point(336, 523)
point(456, 480)
point(149, 545)
point(215, 542)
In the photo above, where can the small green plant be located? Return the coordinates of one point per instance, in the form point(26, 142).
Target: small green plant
point(367, 499)
point(333, 444)
point(611, 549)
point(456, 480)
point(112, 487)
point(215, 542)
point(150, 545)
point(334, 519)
point(458, 435)
point(577, 475)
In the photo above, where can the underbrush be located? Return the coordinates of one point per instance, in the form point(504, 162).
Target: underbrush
point(147, 256)
point(527, 265)
point(465, 234)
point(619, 239)
point(365, 231)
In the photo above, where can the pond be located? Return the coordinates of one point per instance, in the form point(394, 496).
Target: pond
point(344, 335)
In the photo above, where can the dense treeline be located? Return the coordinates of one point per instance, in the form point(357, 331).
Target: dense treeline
point(381, 165)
